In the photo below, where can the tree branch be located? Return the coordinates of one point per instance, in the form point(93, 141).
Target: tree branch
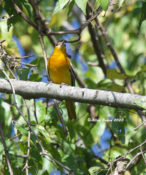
point(30, 90)
point(81, 28)
point(94, 38)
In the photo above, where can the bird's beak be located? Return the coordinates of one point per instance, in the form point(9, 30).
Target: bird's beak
point(62, 43)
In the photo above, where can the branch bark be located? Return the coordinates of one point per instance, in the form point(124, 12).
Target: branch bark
point(29, 90)
point(96, 42)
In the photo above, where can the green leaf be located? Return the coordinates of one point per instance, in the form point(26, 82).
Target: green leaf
point(71, 6)
point(143, 68)
point(21, 129)
point(40, 64)
point(12, 12)
point(140, 102)
point(104, 4)
point(35, 77)
point(113, 74)
point(97, 4)
point(121, 3)
point(119, 124)
point(143, 13)
point(42, 130)
point(82, 5)
point(28, 7)
point(23, 74)
point(109, 85)
point(40, 111)
point(92, 74)
point(95, 133)
point(4, 33)
point(97, 171)
point(60, 5)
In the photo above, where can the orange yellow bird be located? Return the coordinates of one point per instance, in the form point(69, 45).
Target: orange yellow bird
point(60, 71)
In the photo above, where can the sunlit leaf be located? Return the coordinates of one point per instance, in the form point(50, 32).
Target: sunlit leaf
point(140, 102)
point(60, 5)
point(97, 170)
point(104, 4)
point(82, 5)
point(113, 74)
point(143, 13)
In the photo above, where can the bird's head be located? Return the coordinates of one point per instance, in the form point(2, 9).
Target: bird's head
point(61, 45)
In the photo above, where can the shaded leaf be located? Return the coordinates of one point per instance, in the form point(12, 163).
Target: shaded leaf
point(35, 77)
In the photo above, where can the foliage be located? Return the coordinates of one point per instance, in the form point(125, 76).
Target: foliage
point(125, 23)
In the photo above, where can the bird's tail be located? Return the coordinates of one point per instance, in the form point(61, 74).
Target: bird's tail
point(71, 110)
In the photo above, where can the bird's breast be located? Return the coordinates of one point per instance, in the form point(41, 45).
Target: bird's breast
point(59, 69)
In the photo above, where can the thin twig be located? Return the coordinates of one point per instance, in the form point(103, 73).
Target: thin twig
point(20, 112)
point(143, 123)
point(95, 42)
point(21, 156)
point(92, 64)
point(6, 150)
point(2, 41)
point(104, 33)
point(5, 58)
point(131, 150)
point(26, 166)
point(115, 56)
point(132, 160)
point(45, 28)
point(13, 90)
point(42, 27)
point(61, 118)
point(113, 52)
point(44, 152)
point(35, 112)
point(14, 137)
point(38, 21)
point(101, 160)
point(79, 80)
point(124, 157)
point(8, 68)
point(143, 154)
point(20, 12)
point(27, 64)
point(81, 28)
point(44, 53)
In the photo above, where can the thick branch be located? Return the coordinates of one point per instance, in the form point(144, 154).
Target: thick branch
point(30, 90)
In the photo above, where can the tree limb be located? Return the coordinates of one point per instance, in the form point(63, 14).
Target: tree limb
point(95, 42)
point(30, 90)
